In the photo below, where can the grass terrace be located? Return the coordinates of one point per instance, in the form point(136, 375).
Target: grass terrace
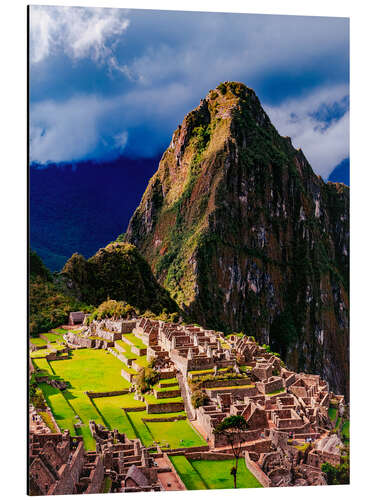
point(210, 371)
point(42, 364)
point(345, 431)
point(61, 331)
point(53, 337)
point(189, 476)
point(135, 340)
point(62, 411)
point(168, 381)
point(112, 413)
point(48, 421)
point(85, 370)
point(178, 434)
point(213, 474)
point(41, 353)
point(279, 391)
point(91, 370)
point(38, 341)
point(126, 348)
point(141, 361)
point(165, 389)
point(150, 398)
point(332, 413)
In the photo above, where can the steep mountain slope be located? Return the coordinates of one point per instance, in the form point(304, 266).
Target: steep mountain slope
point(117, 272)
point(236, 225)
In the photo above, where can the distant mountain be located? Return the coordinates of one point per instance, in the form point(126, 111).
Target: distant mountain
point(341, 173)
point(243, 234)
point(84, 206)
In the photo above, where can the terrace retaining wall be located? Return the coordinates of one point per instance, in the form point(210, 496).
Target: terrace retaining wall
point(257, 472)
point(106, 394)
point(165, 407)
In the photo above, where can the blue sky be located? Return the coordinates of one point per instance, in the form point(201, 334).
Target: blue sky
point(106, 82)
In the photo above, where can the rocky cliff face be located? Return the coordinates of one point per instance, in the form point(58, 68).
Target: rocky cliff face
point(236, 225)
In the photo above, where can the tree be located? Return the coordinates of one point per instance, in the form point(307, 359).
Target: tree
point(233, 428)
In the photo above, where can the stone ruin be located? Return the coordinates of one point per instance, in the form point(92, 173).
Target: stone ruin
point(59, 465)
point(288, 433)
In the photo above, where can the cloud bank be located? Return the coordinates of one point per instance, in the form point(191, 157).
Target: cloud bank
point(110, 80)
point(318, 124)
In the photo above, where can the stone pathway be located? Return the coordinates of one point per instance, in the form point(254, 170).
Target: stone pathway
point(182, 383)
point(168, 480)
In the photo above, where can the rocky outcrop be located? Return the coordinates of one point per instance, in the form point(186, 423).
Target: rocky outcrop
point(243, 234)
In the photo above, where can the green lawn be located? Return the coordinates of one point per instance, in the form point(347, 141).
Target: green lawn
point(42, 364)
point(53, 337)
point(345, 429)
point(63, 413)
point(37, 341)
point(41, 353)
point(151, 399)
point(127, 348)
point(141, 428)
point(216, 474)
point(141, 361)
point(86, 370)
point(88, 440)
point(46, 416)
point(178, 434)
point(332, 413)
point(190, 477)
point(166, 381)
point(59, 330)
point(92, 370)
point(135, 340)
point(114, 417)
point(165, 389)
point(213, 474)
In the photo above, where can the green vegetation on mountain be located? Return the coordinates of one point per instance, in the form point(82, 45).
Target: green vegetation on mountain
point(117, 272)
point(49, 306)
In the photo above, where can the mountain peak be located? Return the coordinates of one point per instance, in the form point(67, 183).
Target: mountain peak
point(243, 234)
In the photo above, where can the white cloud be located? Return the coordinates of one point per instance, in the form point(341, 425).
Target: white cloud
point(64, 131)
point(79, 32)
point(120, 140)
point(325, 145)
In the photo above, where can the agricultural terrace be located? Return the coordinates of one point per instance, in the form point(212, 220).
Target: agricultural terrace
point(85, 370)
point(96, 370)
point(212, 474)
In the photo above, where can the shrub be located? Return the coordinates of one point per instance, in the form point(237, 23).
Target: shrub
point(199, 398)
point(222, 87)
point(146, 378)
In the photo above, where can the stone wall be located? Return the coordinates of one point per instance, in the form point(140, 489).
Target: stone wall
point(127, 376)
point(254, 468)
point(239, 392)
point(106, 394)
point(227, 383)
point(271, 386)
point(96, 477)
point(167, 394)
point(165, 407)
